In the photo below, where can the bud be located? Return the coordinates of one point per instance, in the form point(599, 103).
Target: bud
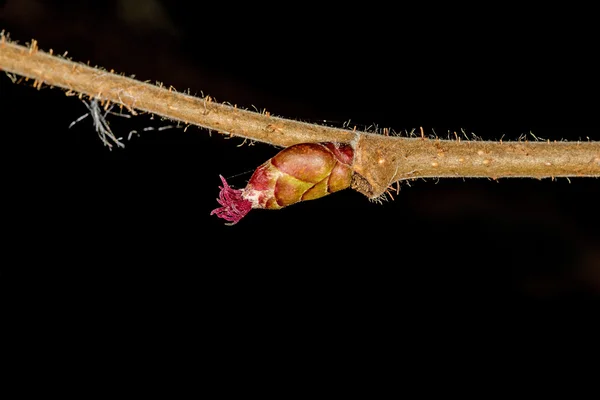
point(301, 172)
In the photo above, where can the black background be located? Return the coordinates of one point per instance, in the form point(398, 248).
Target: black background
point(132, 226)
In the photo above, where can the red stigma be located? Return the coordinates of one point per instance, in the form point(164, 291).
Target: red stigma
point(234, 206)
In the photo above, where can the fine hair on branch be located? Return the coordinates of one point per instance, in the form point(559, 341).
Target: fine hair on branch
point(379, 160)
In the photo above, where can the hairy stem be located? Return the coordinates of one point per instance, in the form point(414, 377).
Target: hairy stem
point(382, 160)
point(379, 160)
point(77, 78)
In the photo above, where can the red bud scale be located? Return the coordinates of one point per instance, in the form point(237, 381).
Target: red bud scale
point(301, 172)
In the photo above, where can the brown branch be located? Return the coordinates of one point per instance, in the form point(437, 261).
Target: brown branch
point(45, 68)
point(383, 160)
point(379, 160)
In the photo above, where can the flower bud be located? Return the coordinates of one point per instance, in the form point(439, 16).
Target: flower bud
point(301, 172)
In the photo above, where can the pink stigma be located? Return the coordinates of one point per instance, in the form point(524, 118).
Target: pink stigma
point(234, 206)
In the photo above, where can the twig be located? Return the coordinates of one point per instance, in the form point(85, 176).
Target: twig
point(77, 78)
point(383, 160)
point(380, 160)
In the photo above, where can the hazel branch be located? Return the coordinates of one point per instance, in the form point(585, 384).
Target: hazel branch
point(379, 161)
point(78, 78)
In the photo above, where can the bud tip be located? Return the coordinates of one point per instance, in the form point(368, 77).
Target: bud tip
point(233, 206)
